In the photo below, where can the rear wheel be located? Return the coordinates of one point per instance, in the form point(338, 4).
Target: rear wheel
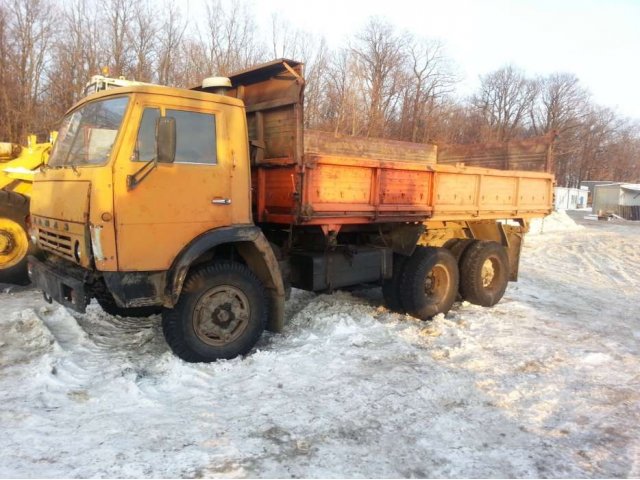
point(14, 239)
point(430, 282)
point(457, 246)
point(484, 270)
point(391, 287)
point(221, 313)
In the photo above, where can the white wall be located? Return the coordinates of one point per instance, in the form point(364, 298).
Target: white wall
point(629, 197)
point(570, 198)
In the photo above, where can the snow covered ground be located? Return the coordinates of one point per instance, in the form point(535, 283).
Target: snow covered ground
point(545, 384)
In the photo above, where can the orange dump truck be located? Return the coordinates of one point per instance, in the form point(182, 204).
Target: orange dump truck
point(208, 204)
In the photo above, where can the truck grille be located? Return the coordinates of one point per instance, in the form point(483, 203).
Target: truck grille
point(56, 242)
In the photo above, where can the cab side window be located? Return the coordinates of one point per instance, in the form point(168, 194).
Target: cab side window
point(145, 150)
point(195, 137)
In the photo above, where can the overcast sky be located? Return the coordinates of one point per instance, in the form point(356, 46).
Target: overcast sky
point(598, 40)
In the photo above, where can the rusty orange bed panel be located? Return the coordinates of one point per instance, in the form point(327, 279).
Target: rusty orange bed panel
point(335, 190)
point(341, 190)
point(309, 177)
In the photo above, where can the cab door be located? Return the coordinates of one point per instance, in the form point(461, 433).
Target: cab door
point(171, 204)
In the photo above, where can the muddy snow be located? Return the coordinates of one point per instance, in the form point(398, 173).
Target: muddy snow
point(545, 384)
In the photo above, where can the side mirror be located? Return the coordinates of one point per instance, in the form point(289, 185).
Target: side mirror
point(166, 139)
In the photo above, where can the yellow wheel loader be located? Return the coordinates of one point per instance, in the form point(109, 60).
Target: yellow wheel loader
point(18, 165)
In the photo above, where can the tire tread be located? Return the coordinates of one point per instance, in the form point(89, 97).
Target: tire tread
point(412, 288)
point(172, 319)
point(471, 288)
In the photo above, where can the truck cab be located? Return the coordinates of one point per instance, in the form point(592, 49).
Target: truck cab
point(142, 185)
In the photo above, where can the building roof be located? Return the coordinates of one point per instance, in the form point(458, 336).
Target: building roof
point(631, 187)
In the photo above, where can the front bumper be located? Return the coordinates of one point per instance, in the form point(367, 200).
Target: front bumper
point(57, 283)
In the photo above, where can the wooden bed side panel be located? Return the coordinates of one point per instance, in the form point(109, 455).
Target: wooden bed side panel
point(405, 187)
point(343, 191)
point(276, 129)
point(532, 154)
point(341, 188)
point(477, 193)
point(326, 144)
point(339, 184)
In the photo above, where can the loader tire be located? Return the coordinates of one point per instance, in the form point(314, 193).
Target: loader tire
point(484, 273)
point(15, 245)
point(391, 287)
point(221, 313)
point(430, 282)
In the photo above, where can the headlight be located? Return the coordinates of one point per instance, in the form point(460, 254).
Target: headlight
point(33, 230)
point(77, 253)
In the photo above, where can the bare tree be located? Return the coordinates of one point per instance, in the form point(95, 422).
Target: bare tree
point(119, 15)
point(143, 33)
point(624, 154)
point(230, 37)
point(7, 83)
point(561, 107)
point(504, 99)
point(380, 53)
point(30, 30)
point(169, 52)
point(599, 127)
point(429, 79)
point(561, 104)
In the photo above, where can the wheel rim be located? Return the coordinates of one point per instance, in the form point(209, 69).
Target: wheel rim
point(14, 243)
point(437, 281)
point(221, 315)
point(489, 272)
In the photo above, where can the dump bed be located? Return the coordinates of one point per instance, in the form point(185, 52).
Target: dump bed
point(307, 177)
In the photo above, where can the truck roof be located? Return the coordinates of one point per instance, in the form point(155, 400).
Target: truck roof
point(160, 90)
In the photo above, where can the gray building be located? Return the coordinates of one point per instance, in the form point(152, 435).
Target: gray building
point(622, 199)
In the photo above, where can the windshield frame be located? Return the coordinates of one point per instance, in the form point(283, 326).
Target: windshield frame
point(114, 145)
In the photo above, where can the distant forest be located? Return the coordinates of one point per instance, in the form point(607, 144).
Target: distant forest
point(382, 82)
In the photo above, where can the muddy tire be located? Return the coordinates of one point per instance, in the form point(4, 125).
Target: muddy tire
point(15, 245)
point(221, 313)
point(457, 246)
point(484, 273)
point(430, 282)
point(391, 287)
point(108, 304)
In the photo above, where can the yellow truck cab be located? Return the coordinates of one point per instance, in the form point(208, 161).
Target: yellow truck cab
point(115, 229)
point(203, 204)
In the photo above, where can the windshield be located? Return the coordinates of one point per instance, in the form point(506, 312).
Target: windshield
point(87, 135)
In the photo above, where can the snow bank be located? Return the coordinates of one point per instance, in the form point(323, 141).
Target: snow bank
point(557, 221)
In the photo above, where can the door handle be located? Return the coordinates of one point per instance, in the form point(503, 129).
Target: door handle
point(221, 201)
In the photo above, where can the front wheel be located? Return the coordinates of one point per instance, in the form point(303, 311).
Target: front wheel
point(221, 313)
